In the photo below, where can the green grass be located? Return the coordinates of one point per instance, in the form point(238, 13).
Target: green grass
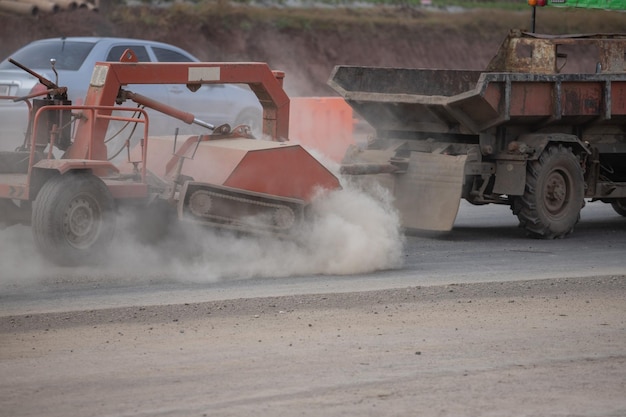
point(229, 15)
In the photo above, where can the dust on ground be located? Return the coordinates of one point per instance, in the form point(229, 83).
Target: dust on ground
point(535, 348)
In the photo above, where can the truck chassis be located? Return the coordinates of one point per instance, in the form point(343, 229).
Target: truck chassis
point(524, 132)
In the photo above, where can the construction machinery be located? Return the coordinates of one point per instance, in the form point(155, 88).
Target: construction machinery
point(542, 129)
point(225, 178)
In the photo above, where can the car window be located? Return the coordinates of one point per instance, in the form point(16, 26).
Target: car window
point(167, 55)
point(69, 55)
point(116, 53)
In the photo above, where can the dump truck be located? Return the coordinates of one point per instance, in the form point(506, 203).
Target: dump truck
point(64, 182)
point(542, 130)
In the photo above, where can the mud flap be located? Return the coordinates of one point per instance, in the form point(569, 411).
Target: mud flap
point(429, 194)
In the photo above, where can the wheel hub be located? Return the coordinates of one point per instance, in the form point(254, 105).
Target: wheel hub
point(555, 192)
point(80, 223)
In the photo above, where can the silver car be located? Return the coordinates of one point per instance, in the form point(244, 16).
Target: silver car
point(75, 59)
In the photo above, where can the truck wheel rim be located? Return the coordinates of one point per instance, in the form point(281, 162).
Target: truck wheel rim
point(81, 223)
point(556, 192)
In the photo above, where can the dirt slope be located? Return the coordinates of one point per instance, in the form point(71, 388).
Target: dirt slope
point(307, 44)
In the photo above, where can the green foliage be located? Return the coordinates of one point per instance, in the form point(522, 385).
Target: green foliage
point(479, 16)
point(483, 4)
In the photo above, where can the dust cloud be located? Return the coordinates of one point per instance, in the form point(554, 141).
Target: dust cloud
point(349, 231)
point(19, 261)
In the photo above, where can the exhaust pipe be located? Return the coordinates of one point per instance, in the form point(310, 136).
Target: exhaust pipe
point(44, 6)
point(67, 4)
point(34, 7)
point(76, 4)
point(19, 7)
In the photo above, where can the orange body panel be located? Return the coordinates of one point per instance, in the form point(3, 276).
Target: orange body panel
point(102, 168)
point(278, 168)
point(14, 187)
point(288, 171)
point(274, 167)
point(325, 124)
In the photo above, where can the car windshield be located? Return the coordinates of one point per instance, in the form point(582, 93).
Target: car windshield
point(167, 55)
point(69, 55)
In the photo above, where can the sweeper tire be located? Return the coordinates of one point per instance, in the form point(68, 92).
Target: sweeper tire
point(73, 219)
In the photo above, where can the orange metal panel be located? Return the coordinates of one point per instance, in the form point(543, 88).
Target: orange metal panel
point(322, 123)
point(102, 168)
point(15, 190)
point(108, 77)
point(158, 153)
point(278, 168)
point(289, 171)
point(214, 161)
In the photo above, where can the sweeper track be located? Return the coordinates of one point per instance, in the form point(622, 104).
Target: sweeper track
point(230, 208)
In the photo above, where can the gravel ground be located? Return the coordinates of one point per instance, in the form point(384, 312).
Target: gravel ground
point(525, 348)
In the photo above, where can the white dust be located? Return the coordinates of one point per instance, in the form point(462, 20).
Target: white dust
point(349, 232)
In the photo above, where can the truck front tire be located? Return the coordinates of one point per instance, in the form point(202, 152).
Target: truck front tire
point(73, 219)
point(553, 196)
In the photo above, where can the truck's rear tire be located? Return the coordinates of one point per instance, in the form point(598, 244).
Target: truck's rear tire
point(619, 206)
point(553, 196)
point(73, 219)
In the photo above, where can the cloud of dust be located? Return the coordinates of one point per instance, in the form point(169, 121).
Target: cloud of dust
point(349, 232)
point(19, 261)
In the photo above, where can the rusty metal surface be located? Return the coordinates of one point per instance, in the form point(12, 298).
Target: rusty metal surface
point(546, 54)
point(523, 85)
point(489, 99)
point(535, 85)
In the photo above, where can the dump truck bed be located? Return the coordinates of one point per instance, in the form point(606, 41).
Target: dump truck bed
point(540, 129)
point(397, 100)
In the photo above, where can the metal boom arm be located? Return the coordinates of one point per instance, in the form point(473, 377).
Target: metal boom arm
point(109, 77)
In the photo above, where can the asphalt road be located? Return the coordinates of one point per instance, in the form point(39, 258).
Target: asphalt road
point(480, 321)
point(485, 245)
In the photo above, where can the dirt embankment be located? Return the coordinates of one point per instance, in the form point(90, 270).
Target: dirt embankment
point(308, 44)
